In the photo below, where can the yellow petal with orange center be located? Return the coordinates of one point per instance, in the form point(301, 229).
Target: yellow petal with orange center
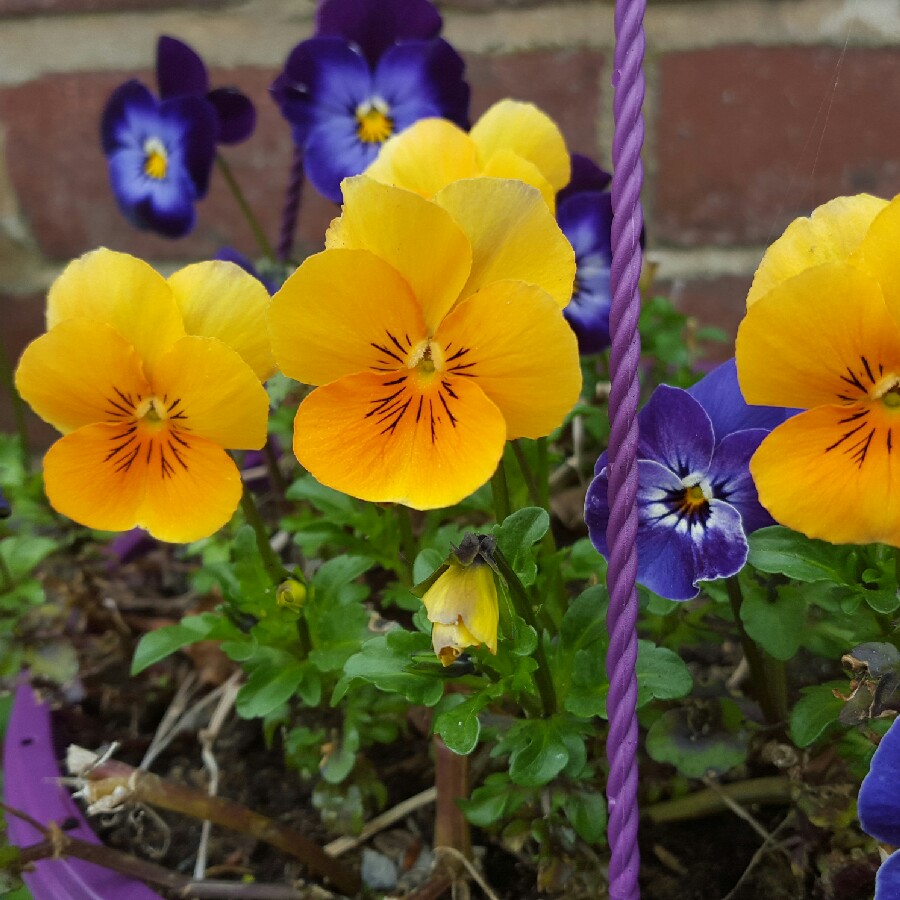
point(220, 300)
point(123, 292)
point(426, 156)
point(512, 340)
point(513, 235)
point(341, 312)
point(79, 373)
point(528, 132)
point(466, 595)
point(507, 164)
point(834, 473)
point(877, 254)
point(824, 336)
point(415, 236)
point(831, 234)
point(179, 487)
point(380, 439)
point(208, 390)
point(449, 641)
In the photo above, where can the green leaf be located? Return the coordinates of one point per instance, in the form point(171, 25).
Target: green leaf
point(456, 719)
point(780, 550)
point(586, 693)
point(493, 801)
point(537, 751)
point(426, 564)
point(661, 674)
point(586, 811)
point(335, 574)
point(815, 712)
point(268, 686)
point(21, 553)
point(776, 624)
point(157, 645)
point(516, 537)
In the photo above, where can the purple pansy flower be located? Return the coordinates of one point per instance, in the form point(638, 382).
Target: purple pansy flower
point(4, 506)
point(180, 72)
point(584, 214)
point(363, 78)
point(696, 500)
point(879, 809)
point(160, 155)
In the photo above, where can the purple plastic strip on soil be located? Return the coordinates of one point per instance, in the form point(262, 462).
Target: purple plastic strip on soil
point(621, 533)
point(30, 784)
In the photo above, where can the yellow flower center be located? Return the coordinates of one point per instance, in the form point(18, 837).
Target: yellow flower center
point(695, 498)
point(151, 412)
point(374, 125)
point(156, 159)
point(890, 396)
point(426, 358)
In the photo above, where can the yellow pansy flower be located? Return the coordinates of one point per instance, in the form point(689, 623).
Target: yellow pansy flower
point(433, 331)
point(822, 333)
point(462, 601)
point(511, 140)
point(138, 374)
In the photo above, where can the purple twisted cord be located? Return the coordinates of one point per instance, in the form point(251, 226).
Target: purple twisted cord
point(621, 532)
point(292, 197)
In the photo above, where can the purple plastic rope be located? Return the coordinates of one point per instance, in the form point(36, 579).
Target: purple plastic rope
point(621, 532)
point(292, 197)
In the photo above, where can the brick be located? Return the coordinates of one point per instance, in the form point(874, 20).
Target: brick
point(563, 83)
point(712, 302)
point(747, 139)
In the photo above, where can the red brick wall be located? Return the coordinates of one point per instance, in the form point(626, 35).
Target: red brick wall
point(755, 114)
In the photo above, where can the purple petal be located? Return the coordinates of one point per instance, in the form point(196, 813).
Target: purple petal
point(323, 79)
point(586, 220)
point(5, 509)
point(128, 117)
point(596, 511)
point(675, 553)
point(195, 118)
point(887, 879)
point(729, 475)
point(236, 114)
point(374, 27)
point(586, 176)
point(180, 71)
point(335, 152)
point(31, 783)
point(675, 431)
point(423, 79)
point(229, 254)
point(878, 805)
point(720, 395)
point(130, 545)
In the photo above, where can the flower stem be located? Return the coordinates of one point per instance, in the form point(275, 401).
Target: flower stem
point(238, 195)
point(530, 481)
point(543, 473)
point(408, 544)
point(543, 675)
point(7, 582)
point(273, 565)
point(500, 492)
point(767, 674)
point(292, 197)
point(18, 406)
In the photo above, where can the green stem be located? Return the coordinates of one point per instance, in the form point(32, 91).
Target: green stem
point(238, 194)
point(543, 676)
point(273, 565)
point(408, 544)
point(18, 406)
point(279, 486)
point(7, 583)
point(530, 481)
point(500, 491)
point(767, 674)
point(543, 473)
point(774, 790)
point(538, 496)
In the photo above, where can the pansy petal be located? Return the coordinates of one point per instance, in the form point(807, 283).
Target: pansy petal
point(832, 233)
point(887, 879)
point(596, 511)
point(877, 807)
point(180, 71)
point(675, 431)
point(210, 391)
point(508, 164)
point(586, 176)
point(335, 152)
point(528, 132)
point(804, 344)
point(425, 157)
point(415, 236)
point(196, 496)
point(832, 473)
point(513, 342)
point(341, 312)
point(85, 484)
point(236, 113)
point(720, 395)
point(78, 373)
point(675, 553)
point(369, 437)
point(466, 593)
point(125, 293)
point(220, 300)
point(729, 476)
point(513, 235)
point(877, 254)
